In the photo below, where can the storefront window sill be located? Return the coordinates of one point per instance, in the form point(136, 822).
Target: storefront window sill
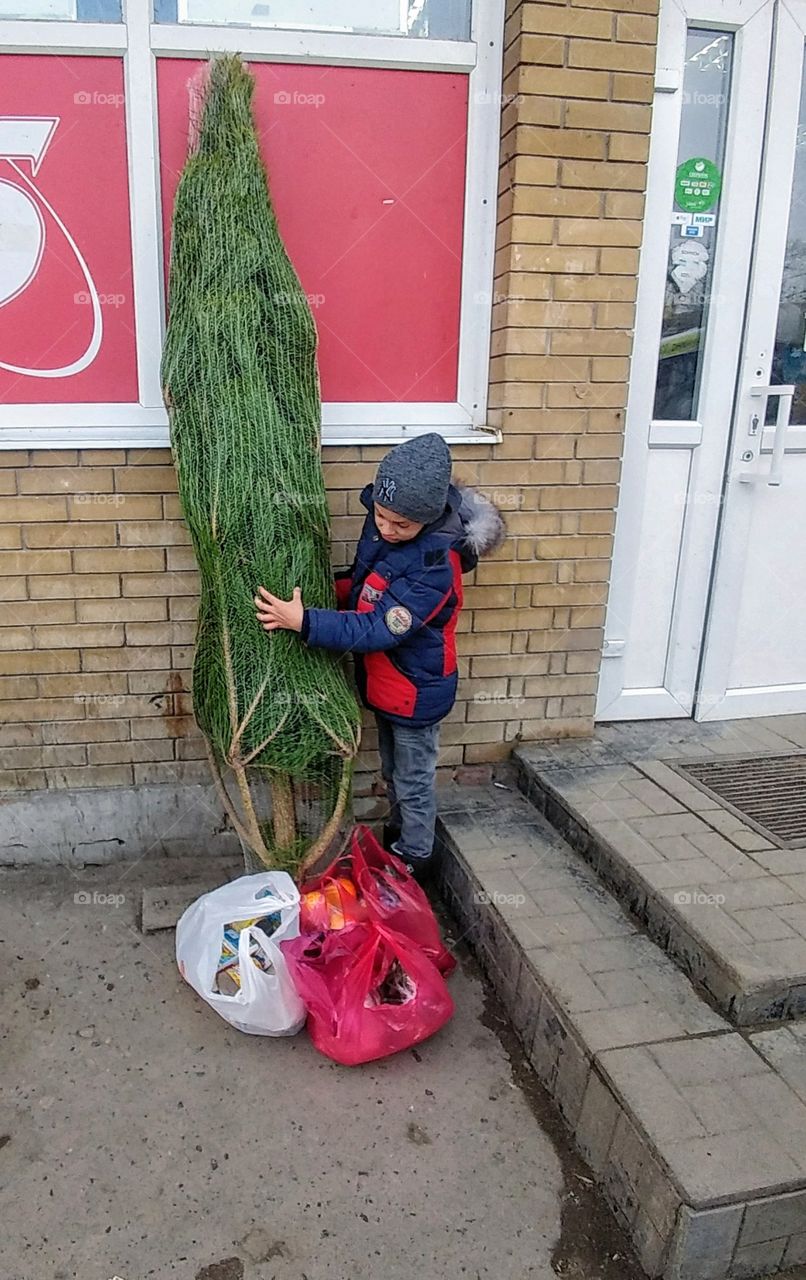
point(143, 435)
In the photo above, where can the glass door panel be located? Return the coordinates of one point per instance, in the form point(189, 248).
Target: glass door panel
point(789, 354)
point(692, 240)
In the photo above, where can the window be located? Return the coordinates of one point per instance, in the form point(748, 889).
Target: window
point(67, 318)
point(63, 10)
point(398, 114)
point(695, 217)
point(434, 19)
point(789, 354)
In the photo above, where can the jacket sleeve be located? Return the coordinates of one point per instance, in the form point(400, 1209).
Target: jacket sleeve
point(406, 604)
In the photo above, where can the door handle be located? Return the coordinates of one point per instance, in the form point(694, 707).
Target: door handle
point(779, 440)
point(785, 393)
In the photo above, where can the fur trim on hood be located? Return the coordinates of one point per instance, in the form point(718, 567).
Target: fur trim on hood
point(484, 525)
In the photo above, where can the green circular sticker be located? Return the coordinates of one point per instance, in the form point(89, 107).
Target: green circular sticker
point(697, 185)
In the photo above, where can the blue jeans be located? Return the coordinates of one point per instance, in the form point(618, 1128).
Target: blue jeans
point(409, 769)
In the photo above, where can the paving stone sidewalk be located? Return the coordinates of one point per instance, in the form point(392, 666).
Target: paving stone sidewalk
point(727, 903)
point(142, 1137)
point(696, 1134)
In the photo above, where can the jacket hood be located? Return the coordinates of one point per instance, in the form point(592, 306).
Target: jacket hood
point(470, 519)
point(484, 525)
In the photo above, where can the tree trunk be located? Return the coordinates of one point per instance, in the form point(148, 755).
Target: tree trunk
point(282, 811)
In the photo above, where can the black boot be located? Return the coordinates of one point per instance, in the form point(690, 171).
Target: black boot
point(391, 833)
point(421, 868)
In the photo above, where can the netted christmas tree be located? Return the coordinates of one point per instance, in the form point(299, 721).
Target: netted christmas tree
point(240, 381)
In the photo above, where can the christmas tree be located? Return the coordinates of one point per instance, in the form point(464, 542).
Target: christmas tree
point(241, 385)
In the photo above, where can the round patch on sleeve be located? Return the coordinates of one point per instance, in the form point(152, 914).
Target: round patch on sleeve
point(398, 620)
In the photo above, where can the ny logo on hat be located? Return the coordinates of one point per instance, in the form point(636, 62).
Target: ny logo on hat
point(386, 488)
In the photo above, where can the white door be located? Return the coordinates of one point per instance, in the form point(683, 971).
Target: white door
point(754, 657)
point(707, 610)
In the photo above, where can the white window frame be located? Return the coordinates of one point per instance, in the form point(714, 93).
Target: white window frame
point(140, 42)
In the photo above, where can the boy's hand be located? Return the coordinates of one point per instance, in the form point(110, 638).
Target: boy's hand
point(274, 614)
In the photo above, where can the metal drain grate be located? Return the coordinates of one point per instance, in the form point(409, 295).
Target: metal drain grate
point(767, 792)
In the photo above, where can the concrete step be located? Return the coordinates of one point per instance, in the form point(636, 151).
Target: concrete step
point(696, 1133)
point(727, 904)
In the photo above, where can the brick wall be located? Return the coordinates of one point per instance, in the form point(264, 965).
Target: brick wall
point(98, 578)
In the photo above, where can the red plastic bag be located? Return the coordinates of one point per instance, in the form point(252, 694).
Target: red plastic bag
point(387, 894)
point(369, 992)
point(394, 898)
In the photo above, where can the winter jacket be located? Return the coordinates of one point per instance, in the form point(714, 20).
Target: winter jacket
point(398, 606)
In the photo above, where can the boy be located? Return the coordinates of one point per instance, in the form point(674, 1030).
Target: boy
point(398, 606)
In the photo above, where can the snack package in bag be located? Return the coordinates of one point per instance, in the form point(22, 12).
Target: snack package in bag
point(331, 904)
point(394, 898)
point(369, 992)
point(228, 951)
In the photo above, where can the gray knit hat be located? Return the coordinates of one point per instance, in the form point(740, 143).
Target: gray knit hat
point(413, 478)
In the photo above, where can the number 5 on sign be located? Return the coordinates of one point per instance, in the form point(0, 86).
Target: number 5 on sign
point(22, 243)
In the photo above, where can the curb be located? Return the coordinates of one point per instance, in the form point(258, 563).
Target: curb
point(624, 1103)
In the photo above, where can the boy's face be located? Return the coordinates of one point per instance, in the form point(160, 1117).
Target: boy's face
point(394, 528)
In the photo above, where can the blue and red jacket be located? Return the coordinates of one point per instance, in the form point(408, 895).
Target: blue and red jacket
point(398, 606)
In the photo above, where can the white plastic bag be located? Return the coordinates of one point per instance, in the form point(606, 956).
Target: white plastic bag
point(266, 1003)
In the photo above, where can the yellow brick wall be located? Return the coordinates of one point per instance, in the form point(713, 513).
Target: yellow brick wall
point(98, 578)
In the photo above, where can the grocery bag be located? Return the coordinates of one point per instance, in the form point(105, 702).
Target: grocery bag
point(263, 1000)
point(369, 991)
point(394, 898)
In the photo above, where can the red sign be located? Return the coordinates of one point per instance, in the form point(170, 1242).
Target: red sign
point(66, 306)
point(366, 169)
